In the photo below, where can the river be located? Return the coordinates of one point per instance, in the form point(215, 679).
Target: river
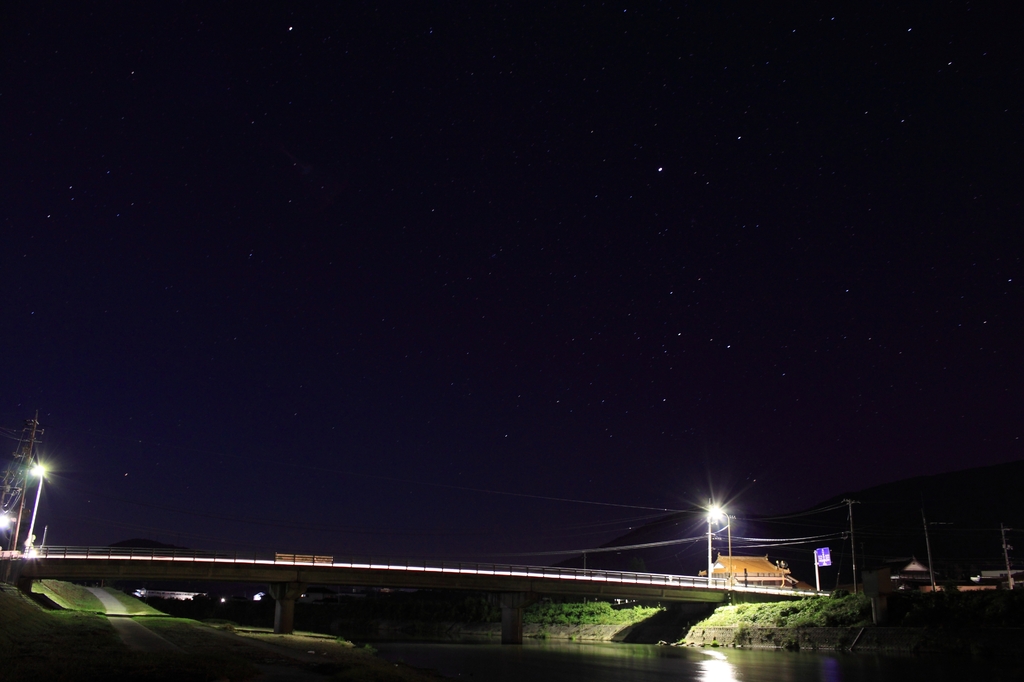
point(547, 661)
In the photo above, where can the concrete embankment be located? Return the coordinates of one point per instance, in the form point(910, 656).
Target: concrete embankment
point(876, 639)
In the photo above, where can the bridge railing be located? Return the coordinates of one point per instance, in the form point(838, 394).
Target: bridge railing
point(387, 564)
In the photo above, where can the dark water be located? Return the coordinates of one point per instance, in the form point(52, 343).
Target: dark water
point(547, 661)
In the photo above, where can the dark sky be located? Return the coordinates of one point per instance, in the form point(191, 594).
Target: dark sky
point(357, 277)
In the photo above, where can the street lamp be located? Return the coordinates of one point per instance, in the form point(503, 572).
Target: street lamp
point(5, 523)
point(716, 513)
point(40, 471)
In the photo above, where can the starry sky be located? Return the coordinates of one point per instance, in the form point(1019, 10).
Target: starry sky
point(485, 281)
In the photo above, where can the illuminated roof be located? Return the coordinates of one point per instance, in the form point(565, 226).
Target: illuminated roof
point(752, 564)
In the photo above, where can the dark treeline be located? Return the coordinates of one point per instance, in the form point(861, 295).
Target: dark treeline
point(423, 606)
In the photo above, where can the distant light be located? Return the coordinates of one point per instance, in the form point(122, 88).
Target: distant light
point(224, 599)
point(659, 170)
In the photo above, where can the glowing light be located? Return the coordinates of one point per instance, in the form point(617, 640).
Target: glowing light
point(39, 470)
point(5, 520)
point(718, 669)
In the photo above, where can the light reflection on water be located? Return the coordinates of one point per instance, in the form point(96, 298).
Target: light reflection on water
point(717, 668)
point(548, 661)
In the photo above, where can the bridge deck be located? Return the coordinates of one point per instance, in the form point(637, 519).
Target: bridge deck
point(85, 563)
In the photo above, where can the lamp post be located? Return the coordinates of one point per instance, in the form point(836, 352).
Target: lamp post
point(715, 514)
point(5, 524)
point(40, 471)
point(1006, 556)
point(728, 529)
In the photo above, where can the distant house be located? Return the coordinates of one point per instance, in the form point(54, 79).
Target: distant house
point(908, 574)
point(143, 593)
point(997, 579)
point(318, 595)
point(753, 571)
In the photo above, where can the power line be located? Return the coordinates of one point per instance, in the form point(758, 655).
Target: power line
point(605, 550)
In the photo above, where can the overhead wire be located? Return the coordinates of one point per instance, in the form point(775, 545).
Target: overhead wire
point(605, 550)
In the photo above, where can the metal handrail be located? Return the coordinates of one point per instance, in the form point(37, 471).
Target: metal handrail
point(369, 563)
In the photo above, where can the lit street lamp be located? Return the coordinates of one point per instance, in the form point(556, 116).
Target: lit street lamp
point(40, 471)
point(5, 524)
point(715, 513)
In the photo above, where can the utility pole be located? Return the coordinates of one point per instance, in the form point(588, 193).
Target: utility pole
point(1006, 555)
point(729, 528)
point(711, 566)
point(23, 459)
point(853, 546)
point(928, 546)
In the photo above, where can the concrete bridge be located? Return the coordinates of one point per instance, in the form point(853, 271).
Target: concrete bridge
point(289, 574)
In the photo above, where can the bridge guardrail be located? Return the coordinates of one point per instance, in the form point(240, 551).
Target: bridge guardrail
point(370, 563)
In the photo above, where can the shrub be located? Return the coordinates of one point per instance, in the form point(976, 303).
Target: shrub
point(846, 611)
point(589, 613)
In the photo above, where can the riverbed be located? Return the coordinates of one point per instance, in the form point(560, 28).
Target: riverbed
point(549, 661)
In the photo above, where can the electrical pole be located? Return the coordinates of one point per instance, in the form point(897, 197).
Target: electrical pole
point(853, 547)
point(928, 546)
point(729, 527)
point(23, 461)
point(1006, 555)
point(711, 566)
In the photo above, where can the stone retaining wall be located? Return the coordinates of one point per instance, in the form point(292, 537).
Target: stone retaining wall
point(998, 641)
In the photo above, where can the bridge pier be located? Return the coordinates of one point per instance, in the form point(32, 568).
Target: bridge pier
point(285, 595)
point(512, 604)
point(25, 585)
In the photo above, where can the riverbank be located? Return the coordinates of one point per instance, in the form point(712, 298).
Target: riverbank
point(80, 642)
point(973, 641)
point(960, 623)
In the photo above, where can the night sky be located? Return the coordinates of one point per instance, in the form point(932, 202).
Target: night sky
point(477, 281)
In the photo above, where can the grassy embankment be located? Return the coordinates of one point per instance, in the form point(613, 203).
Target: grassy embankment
point(822, 612)
point(590, 613)
point(947, 609)
point(68, 596)
point(79, 644)
point(73, 597)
